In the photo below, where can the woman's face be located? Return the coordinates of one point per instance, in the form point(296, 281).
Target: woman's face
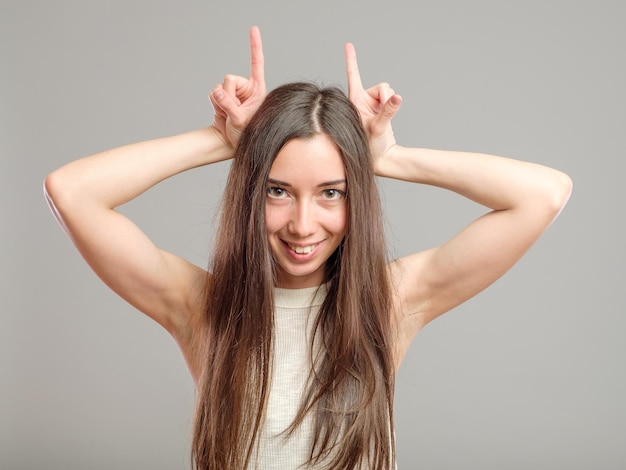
point(306, 209)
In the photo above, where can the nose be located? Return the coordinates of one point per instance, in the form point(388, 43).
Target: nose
point(303, 219)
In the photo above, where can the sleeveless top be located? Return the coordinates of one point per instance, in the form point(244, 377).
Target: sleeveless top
point(294, 316)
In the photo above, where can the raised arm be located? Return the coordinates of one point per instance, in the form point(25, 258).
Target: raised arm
point(83, 196)
point(523, 198)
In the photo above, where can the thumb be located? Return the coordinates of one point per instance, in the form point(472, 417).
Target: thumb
point(390, 108)
point(226, 103)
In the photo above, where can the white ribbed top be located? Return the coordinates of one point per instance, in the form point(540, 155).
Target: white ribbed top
point(295, 312)
point(294, 317)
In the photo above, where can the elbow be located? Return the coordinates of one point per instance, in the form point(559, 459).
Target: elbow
point(62, 189)
point(563, 191)
point(558, 193)
point(62, 193)
point(50, 185)
point(53, 188)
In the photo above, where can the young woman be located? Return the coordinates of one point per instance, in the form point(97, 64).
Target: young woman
point(296, 331)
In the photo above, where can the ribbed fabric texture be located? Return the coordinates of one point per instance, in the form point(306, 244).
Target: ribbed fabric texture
point(295, 312)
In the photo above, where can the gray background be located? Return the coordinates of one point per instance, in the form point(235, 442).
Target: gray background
point(528, 375)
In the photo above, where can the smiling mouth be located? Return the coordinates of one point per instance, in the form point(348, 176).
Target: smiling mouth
point(302, 250)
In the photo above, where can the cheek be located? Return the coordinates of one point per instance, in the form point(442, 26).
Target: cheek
point(273, 219)
point(338, 222)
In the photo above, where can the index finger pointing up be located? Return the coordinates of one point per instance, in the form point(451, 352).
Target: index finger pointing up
point(256, 55)
point(352, 70)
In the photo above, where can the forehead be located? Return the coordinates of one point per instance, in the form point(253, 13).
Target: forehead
point(315, 159)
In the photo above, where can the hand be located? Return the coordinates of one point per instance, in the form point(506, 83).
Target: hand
point(376, 105)
point(238, 98)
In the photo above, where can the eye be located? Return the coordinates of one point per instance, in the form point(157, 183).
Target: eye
point(276, 192)
point(333, 194)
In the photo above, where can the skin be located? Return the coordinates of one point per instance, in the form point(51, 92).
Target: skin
point(306, 209)
point(521, 200)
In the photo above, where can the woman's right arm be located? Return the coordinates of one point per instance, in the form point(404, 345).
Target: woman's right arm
point(83, 196)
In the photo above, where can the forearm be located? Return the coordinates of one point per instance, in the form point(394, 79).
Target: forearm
point(495, 182)
point(116, 176)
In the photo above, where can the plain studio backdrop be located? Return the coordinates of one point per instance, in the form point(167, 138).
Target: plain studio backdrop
point(527, 375)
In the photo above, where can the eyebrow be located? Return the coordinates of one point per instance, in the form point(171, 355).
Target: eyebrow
point(321, 185)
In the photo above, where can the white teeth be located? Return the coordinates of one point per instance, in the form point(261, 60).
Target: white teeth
point(303, 250)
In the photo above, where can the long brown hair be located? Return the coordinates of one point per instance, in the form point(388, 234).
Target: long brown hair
point(350, 390)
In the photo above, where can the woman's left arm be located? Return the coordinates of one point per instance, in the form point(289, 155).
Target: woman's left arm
point(524, 199)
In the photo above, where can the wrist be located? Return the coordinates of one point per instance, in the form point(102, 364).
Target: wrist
point(216, 146)
point(388, 164)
